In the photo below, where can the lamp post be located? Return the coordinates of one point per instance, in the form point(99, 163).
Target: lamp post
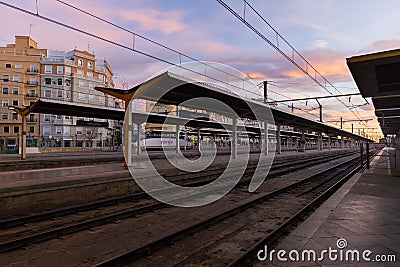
point(23, 112)
point(101, 140)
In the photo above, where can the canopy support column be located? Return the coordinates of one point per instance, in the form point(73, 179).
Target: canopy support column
point(278, 139)
point(128, 135)
point(234, 138)
point(266, 150)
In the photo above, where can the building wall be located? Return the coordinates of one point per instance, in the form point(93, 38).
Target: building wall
point(19, 72)
point(27, 73)
point(72, 76)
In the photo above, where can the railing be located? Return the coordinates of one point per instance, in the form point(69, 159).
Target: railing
point(31, 119)
point(32, 70)
point(31, 95)
point(63, 60)
point(31, 83)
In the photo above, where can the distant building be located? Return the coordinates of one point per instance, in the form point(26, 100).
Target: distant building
point(29, 73)
point(19, 68)
point(71, 76)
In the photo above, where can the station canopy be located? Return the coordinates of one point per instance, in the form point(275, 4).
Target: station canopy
point(176, 89)
point(377, 76)
point(179, 94)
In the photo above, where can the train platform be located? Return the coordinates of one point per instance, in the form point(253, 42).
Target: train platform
point(359, 224)
point(54, 186)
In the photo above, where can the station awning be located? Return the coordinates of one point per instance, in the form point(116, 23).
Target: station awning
point(377, 76)
point(184, 89)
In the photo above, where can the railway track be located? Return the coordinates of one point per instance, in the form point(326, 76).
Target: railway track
point(20, 232)
point(211, 243)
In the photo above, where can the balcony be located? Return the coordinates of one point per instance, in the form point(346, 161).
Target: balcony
point(32, 83)
point(31, 95)
point(31, 120)
point(32, 71)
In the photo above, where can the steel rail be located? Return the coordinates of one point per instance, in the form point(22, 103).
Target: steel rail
point(146, 249)
point(271, 238)
point(121, 214)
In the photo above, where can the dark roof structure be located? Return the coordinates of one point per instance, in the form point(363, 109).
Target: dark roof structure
point(377, 76)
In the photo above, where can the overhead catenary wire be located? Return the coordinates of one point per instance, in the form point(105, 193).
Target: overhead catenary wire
point(290, 59)
point(150, 40)
point(129, 48)
point(125, 46)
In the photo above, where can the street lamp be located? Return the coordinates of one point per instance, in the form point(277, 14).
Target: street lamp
point(23, 112)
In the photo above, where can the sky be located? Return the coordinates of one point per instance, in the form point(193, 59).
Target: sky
point(323, 32)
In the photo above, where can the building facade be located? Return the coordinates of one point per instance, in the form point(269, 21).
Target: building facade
point(29, 73)
point(20, 76)
point(72, 76)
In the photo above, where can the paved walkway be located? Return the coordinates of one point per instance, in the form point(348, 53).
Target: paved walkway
point(364, 215)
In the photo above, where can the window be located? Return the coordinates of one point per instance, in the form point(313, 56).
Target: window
point(89, 74)
point(80, 62)
point(15, 116)
point(101, 77)
point(8, 65)
point(101, 99)
point(32, 68)
point(91, 97)
point(67, 70)
point(46, 129)
point(78, 130)
point(6, 129)
point(91, 85)
point(58, 129)
point(15, 91)
point(80, 72)
point(47, 81)
point(4, 103)
point(67, 118)
point(60, 93)
point(32, 93)
point(47, 93)
point(6, 78)
point(47, 117)
point(60, 69)
point(16, 129)
point(4, 116)
point(5, 90)
point(67, 82)
point(48, 69)
point(90, 65)
point(15, 78)
point(81, 83)
point(32, 81)
point(67, 94)
point(18, 66)
point(67, 130)
point(60, 81)
point(81, 96)
point(32, 129)
point(89, 132)
point(58, 117)
point(15, 102)
point(31, 117)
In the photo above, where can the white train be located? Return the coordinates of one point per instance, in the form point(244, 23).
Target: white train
point(161, 139)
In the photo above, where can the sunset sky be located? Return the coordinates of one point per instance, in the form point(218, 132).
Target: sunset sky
point(324, 32)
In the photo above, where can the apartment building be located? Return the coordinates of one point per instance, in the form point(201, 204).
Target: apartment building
point(20, 75)
point(28, 73)
point(72, 76)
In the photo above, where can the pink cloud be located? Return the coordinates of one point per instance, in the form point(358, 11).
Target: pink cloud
point(155, 20)
point(382, 45)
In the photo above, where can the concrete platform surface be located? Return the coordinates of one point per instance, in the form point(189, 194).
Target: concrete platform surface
point(362, 218)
